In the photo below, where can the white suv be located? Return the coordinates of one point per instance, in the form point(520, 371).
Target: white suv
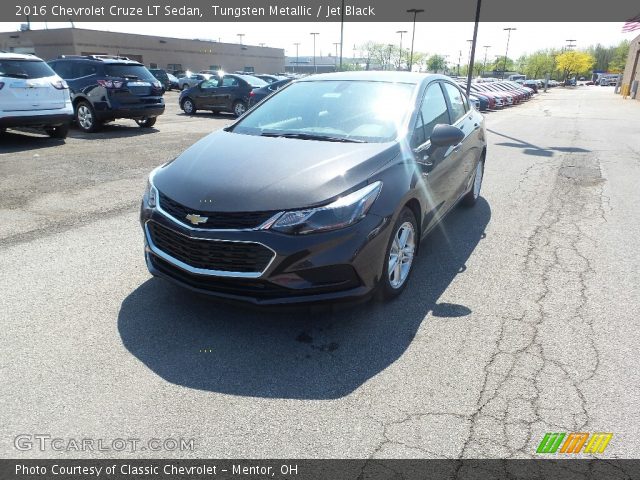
point(32, 95)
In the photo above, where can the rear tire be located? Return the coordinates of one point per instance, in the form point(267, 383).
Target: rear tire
point(146, 122)
point(188, 106)
point(471, 197)
point(399, 256)
point(60, 131)
point(239, 108)
point(85, 117)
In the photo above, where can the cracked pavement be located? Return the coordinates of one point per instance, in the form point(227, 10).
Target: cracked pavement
point(520, 317)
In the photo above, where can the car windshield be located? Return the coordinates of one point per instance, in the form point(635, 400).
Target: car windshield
point(138, 72)
point(25, 69)
point(335, 110)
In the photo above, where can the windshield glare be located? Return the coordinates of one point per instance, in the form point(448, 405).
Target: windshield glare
point(358, 110)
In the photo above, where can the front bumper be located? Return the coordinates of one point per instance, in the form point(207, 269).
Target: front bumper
point(339, 265)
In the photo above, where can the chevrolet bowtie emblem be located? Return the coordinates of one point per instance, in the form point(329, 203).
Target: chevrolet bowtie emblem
point(196, 219)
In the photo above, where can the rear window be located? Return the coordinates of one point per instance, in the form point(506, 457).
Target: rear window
point(25, 69)
point(138, 72)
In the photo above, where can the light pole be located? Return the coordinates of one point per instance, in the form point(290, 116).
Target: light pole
point(504, 67)
point(315, 68)
point(389, 55)
point(335, 59)
point(415, 12)
point(459, 58)
point(262, 44)
point(484, 65)
point(297, 63)
point(570, 43)
point(401, 32)
point(469, 57)
point(240, 35)
point(341, 32)
point(472, 54)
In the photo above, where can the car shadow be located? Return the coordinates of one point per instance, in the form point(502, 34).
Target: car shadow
point(112, 130)
point(201, 343)
point(535, 150)
point(14, 141)
point(208, 114)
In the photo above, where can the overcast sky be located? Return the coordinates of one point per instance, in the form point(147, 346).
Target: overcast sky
point(443, 38)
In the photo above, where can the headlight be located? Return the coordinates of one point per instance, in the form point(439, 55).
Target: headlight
point(151, 192)
point(341, 213)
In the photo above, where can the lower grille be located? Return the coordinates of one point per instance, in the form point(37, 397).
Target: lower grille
point(211, 254)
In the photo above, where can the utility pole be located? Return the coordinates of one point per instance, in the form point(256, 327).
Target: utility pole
point(415, 12)
point(401, 32)
point(504, 67)
point(297, 62)
point(484, 65)
point(315, 68)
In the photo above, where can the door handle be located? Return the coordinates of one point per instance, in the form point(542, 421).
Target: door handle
point(457, 147)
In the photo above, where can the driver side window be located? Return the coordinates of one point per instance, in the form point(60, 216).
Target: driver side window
point(433, 111)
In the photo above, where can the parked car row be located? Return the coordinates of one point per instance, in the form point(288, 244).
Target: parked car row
point(498, 94)
point(88, 89)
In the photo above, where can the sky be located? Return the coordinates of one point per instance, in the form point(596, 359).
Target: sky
point(441, 38)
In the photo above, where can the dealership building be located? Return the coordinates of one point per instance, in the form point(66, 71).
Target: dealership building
point(172, 54)
point(631, 76)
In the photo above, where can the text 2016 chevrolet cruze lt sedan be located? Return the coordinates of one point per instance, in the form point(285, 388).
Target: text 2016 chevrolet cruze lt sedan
point(323, 191)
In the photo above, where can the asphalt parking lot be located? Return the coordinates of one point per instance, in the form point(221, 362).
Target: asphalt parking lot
point(521, 317)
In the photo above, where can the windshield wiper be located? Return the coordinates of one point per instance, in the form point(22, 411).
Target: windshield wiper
point(15, 75)
point(311, 136)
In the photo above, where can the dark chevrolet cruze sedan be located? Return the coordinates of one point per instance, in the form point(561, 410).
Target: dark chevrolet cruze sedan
point(323, 191)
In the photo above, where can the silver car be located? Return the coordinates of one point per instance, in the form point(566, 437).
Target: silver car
point(192, 80)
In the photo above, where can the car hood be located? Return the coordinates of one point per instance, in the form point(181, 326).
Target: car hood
point(227, 171)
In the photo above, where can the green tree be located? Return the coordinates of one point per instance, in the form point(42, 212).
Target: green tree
point(436, 63)
point(619, 57)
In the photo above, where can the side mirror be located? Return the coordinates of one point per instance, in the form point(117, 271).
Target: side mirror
point(446, 135)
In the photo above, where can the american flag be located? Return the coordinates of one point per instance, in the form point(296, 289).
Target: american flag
point(632, 24)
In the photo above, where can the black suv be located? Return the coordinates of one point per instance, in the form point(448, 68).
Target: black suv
point(104, 88)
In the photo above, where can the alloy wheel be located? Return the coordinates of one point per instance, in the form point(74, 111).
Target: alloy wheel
point(401, 255)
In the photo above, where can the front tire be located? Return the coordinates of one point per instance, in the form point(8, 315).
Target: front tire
point(471, 197)
point(86, 118)
point(59, 132)
point(146, 122)
point(188, 106)
point(399, 255)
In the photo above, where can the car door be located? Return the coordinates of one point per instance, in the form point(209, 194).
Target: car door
point(204, 94)
point(466, 153)
point(225, 91)
point(434, 164)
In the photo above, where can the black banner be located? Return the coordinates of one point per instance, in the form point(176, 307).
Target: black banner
point(313, 11)
point(604, 469)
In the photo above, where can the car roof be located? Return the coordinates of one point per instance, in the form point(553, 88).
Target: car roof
point(18, 56)
point(376, 76)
